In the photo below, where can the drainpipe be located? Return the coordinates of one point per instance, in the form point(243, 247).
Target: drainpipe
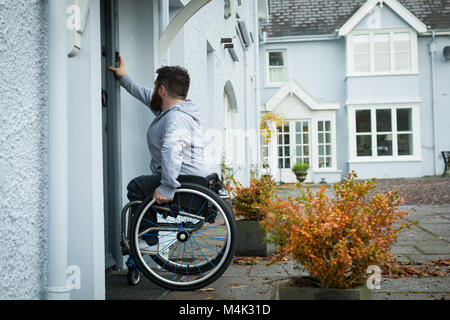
point(164, 19)
point(57, 288)
point(247, 158)
point(432, 50)
point(256, 83)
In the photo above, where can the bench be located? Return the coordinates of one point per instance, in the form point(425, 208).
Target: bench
point(446, 157)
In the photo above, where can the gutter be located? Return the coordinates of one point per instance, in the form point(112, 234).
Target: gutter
point(432, 50)
point(57, 288)
point(319, 37)
point(257, 84)
point(335, 36)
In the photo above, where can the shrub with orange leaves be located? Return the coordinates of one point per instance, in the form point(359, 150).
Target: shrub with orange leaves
point(336, 238)
point(249, 201)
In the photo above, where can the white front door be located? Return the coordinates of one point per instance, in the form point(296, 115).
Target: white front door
point(293, 146)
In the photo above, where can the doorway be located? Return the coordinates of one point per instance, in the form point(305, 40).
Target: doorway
point(110, 119)
point(293, 146)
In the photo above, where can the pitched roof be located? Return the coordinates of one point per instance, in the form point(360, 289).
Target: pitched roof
point(314, 17)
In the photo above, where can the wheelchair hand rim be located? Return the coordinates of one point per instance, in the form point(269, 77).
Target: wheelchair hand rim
point(213, 271)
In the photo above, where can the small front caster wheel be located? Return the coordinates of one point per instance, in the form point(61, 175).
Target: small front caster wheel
point(133, 277)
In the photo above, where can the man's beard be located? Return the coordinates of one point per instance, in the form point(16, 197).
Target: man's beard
point(156, 102)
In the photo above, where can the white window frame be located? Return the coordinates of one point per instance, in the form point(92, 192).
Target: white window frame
point(413, 52)
point(276, 84)
point(416, 156)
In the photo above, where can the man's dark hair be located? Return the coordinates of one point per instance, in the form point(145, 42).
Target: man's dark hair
point(175, 79)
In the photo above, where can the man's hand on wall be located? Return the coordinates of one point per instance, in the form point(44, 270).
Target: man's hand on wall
point(120, 71)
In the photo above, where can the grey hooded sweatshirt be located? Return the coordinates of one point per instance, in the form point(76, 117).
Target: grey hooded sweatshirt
point(175, 140)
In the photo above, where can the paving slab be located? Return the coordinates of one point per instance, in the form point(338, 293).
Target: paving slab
point(432, 218)
point(295, 270)
point(117, 288)
point(262, 270)
point(426, 257)
point(411, 284)
point(441, 230)
point(400, 249)
point(236, 270)
point(229, 288)
point(444, 209)
point(434, 249)
point(409, 296)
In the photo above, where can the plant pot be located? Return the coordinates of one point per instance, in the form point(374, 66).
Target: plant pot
point(250, 240)
point(289, 291)
point(301, 176)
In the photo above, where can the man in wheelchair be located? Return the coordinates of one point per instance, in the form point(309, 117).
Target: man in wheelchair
point(174, 139)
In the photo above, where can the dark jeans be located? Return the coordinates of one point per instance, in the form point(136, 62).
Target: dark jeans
point(138, 190)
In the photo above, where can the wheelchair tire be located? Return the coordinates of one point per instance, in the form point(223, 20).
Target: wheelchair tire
point(189, 274)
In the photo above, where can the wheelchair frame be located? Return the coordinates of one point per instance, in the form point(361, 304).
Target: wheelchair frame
point(134, 273)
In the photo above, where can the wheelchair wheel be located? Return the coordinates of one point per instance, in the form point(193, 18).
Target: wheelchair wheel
point(196, 235)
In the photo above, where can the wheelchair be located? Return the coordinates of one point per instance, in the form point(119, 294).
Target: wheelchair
point(194, 236)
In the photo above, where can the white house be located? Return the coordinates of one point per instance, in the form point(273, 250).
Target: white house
point(362, 84)
point(71, 139)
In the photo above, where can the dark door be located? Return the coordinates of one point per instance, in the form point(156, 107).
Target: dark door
point(111, 155)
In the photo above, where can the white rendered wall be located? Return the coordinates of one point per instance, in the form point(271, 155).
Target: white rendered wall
point(23, 148)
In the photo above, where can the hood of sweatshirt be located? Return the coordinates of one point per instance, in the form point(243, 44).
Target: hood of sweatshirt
point(187, 107)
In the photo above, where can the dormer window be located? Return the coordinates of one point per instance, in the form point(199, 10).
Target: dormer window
point(382, 52)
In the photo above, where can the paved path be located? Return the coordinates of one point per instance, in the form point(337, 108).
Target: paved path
point(426, 241)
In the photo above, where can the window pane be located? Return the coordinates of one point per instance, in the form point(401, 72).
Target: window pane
point(382, 62)
point(362, 62)
point(320, 137)
point(401, 42)
point(298, 138)
point(361, 43)
point(287, 163)
point(328, 163)
point(328, 125)
point(305, 139)
point(363, 123)
point(361, 50)
point(402, 50)
point(280, 163)
point(321, 152)
point(286, 127)
point(298, 126)
point(404, 120)
point(305, 127)
point(382, 57)
point(306, 151)
point(320, 125)
point(277, 74)
point(381, 42)
point(364, 145)
point(327, 137)
point(328, 151)
point(299, 151)
point(405, 147)
point(280, 151)
point(384, 145)
point(276, 59)
point(321, 162)
point(384, 120)
point(286, 139)
point(402, 61)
